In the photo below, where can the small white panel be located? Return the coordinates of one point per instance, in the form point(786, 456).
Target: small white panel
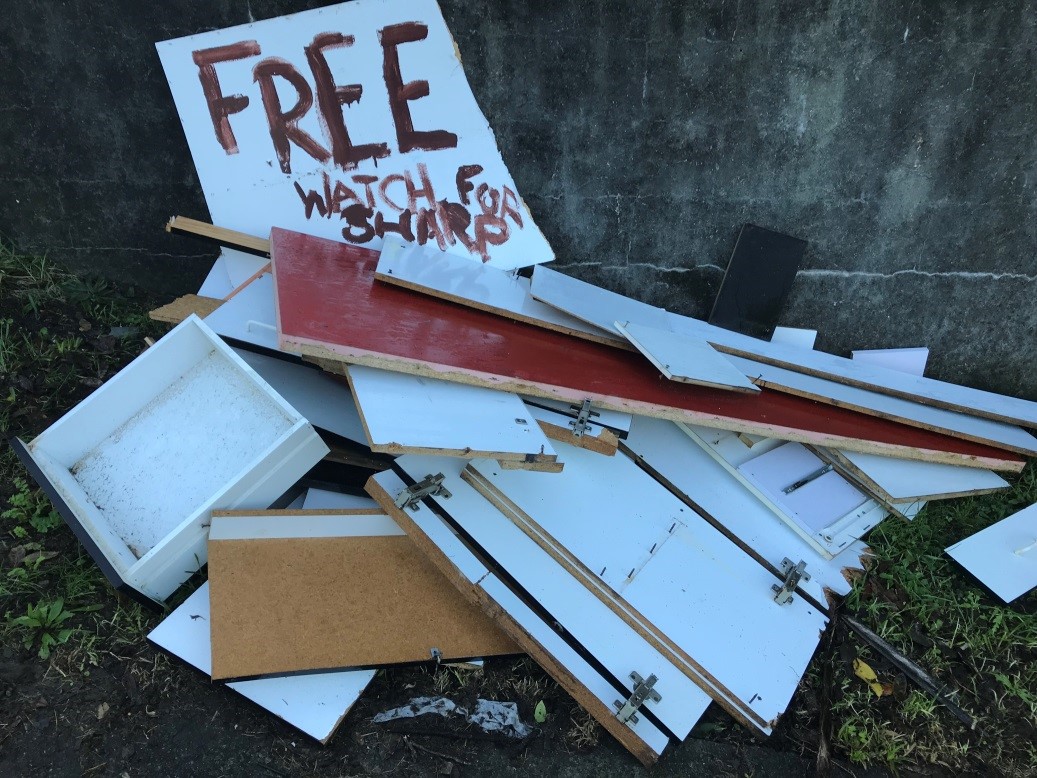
point(1004, 555)
point(906, 360)
point(314, 703)
point(407, 412)
point(793, 336)
point(280, 527)
point(907, 481)
point(217, 284)
point(323, 498)
point(324, 401)
point(249, 316)
point(474, 284)
point(684, 359)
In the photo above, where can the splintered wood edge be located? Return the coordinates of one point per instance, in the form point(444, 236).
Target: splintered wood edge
point(630, 616)
point(220, 235)
point(182, 307)
point(601, 713)
point(504, 312)
point(533, 467)
point(336, 362)
point(606, 443)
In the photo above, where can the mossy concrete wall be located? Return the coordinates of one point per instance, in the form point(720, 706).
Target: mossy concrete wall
point(899, 138)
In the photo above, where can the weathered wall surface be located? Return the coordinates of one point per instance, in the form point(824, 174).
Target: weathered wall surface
point(899, 138)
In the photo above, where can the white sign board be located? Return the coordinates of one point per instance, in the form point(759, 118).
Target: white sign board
point(348, 122)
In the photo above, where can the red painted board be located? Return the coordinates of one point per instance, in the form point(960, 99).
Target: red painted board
point(329, 305)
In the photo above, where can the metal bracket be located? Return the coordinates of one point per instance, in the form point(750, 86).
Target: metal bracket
point(793, 575)
point(627, 711)
point(429, 486)
point(583, 416)
point(807, 479)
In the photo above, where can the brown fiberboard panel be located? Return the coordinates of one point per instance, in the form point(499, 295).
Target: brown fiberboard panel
point(182, 307)
point(288, 604)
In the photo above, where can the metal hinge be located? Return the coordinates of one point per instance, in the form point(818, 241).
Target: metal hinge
point(793, 575)
point(583, 416)
point(807, 479)
point(429, 486)
point(627, 711)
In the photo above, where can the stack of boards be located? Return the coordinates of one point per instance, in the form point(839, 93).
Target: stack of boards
point(623, 493)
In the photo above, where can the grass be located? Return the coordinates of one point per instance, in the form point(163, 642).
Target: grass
point(984, 651)
point(56, 345)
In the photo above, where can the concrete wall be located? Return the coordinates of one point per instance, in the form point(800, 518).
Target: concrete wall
point(899, 138)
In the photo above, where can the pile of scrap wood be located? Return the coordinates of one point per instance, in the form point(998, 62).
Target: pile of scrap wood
point(657, 541)
point(407, 451)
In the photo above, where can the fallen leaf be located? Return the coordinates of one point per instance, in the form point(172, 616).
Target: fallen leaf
point(863, 671)
point(102, 709)
point(540, 713)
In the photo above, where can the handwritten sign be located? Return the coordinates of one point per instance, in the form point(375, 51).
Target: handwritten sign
point(349, 122)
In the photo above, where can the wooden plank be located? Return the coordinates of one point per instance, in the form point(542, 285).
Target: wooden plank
point(702, 483)
point(313, 703)
point(733, 453)
point(389, 328)
point(619, 646)
point(601, 308)
point(323, 400)
point(408, 414)
point(757, 281)
point(1004, 555)
point(907, 482)
point(588, 685)
point(673, 569)
point(683, 359)
point(318, 592)
point(182, 307)
point(250, 244)
point(959, 425)
point(483, 287)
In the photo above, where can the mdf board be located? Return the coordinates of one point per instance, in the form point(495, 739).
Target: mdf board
point(794, 336)
point(323, 399)
point(182, 307)
point(138, 466)
point(1003, 557)
point(409, 414)
point(249, 316)
point(960, 425)
point(462, 281)
point(692, 587)
point(595, 673)
point(314, 703)
point(900, 481)
point(683, 359)
point(670, 456)
point(757, 282)
point(586, 620)
point(390, 328)
point(601, 308)
point(822, 506)
point(324, 590)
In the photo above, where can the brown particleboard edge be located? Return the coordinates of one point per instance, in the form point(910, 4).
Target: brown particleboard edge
point(717, 525)
point(516, 461)
point(606, 443)
point(221, 236)
point(601, 713)
point(618, 342)
point(292, 604)
point(336, 362)
point(825, 400)
point(182, 307)
point(680, 659)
